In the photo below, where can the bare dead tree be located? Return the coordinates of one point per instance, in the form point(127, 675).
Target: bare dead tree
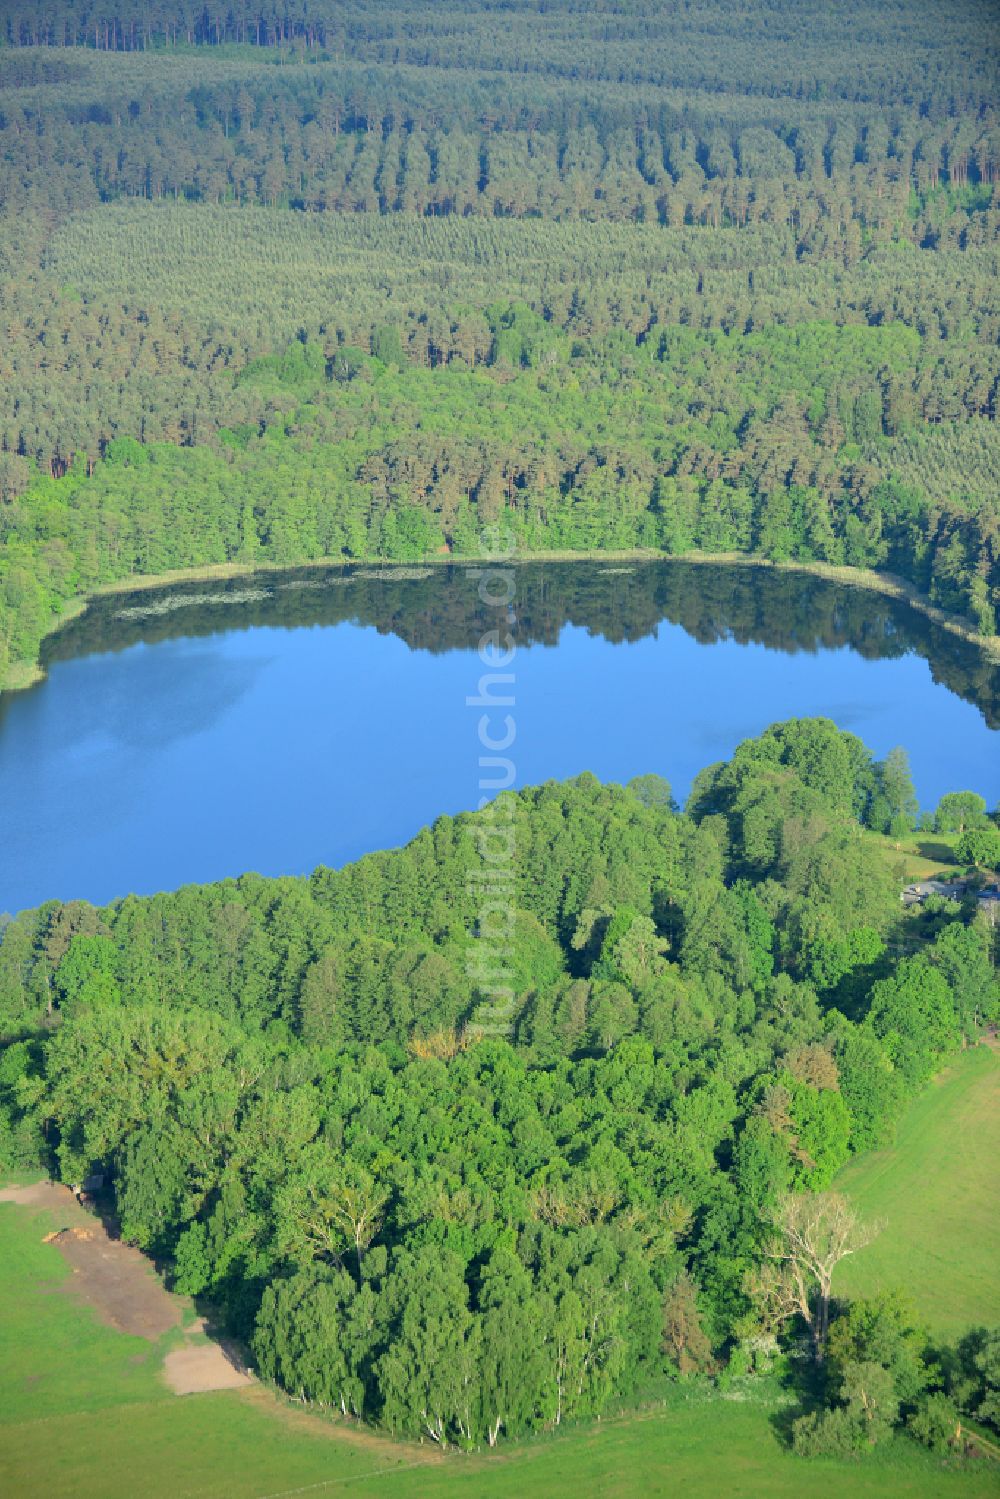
point(814, 1231)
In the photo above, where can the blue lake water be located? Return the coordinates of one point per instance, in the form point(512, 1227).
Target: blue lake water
point(308, 727)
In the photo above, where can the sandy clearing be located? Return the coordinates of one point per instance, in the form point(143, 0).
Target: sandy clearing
point(202, 1366)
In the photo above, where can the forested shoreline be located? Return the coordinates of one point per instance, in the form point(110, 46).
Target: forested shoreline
point(464, 1236)
point(371, 458)
point(595, 273)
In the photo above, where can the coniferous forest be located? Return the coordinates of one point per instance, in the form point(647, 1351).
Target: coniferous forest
point(302, 282)
point(306, 281)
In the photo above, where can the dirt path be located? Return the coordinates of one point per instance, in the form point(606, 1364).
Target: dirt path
point(309, 1421)
point(49, 1195)
point(118, 1282)
point(125, 1292)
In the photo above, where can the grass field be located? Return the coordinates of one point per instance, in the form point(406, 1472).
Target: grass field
point(918, 856)
point(937, 1192)
point(85, 1415)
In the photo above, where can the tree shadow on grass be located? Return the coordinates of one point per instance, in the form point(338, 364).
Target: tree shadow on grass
point(804, 1383)
point(940, 853)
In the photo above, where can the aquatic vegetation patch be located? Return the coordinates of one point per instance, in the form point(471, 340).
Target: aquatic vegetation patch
point(184, 601)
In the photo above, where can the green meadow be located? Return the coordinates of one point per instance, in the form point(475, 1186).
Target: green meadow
point(937, 1196)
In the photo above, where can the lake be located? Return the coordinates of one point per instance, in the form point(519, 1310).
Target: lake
point(288, 720)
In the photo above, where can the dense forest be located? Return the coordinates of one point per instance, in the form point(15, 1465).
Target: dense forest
point(302, 282)
point(463, 1234)
point(296, 281)
point(691, 442)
